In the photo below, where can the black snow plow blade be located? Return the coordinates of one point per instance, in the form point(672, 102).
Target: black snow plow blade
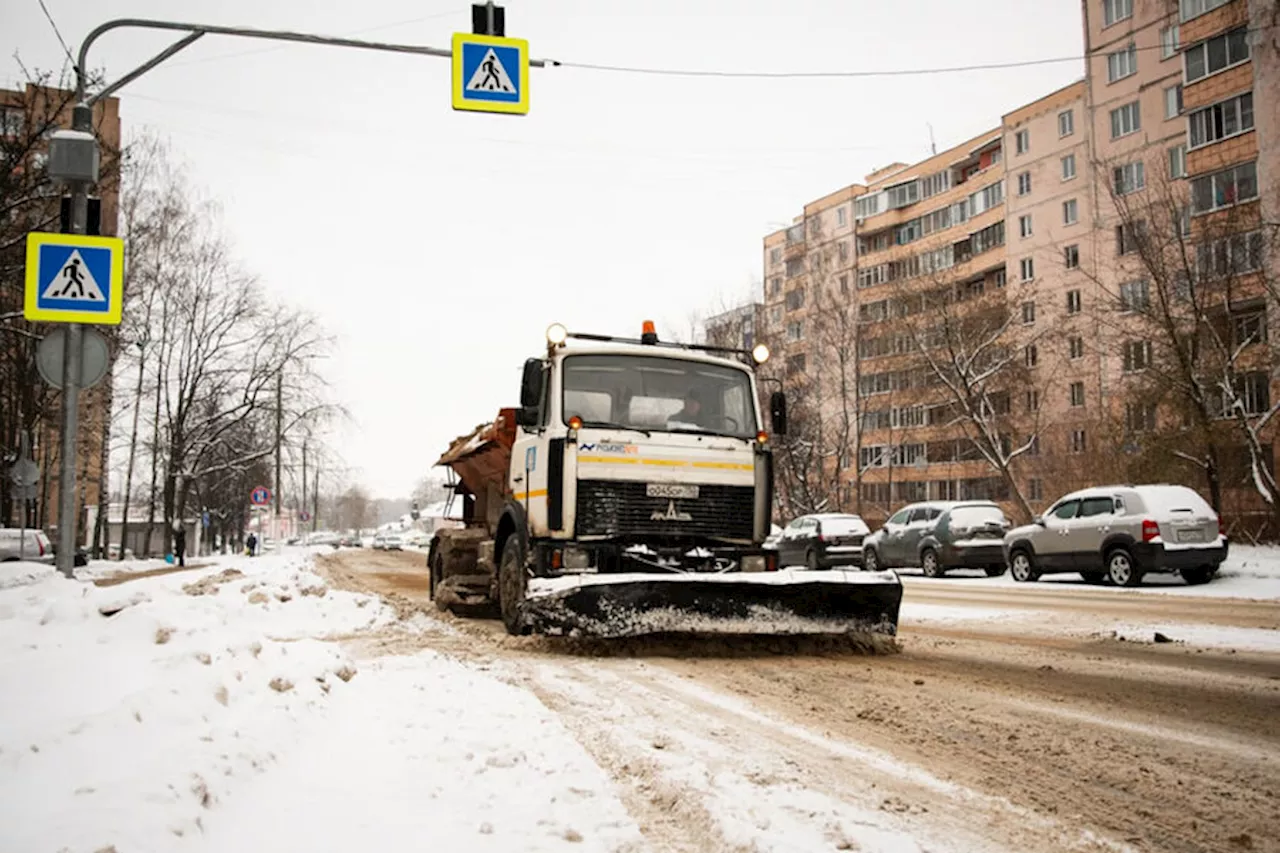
point(787, 602)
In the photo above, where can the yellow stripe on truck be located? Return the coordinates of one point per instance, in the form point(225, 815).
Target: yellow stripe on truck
point(536, 493)
point(668, 463)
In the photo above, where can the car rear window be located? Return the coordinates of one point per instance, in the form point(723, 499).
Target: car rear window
point(976, 516)
point(1174, 501)
point(845, 525)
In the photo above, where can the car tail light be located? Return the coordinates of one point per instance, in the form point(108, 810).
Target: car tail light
point(1150, 530)
point(771, 562)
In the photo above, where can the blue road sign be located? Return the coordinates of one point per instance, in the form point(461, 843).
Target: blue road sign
point(74, 278)
point(490, 74)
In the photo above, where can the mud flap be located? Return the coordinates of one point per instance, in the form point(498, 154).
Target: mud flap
point(788, 602)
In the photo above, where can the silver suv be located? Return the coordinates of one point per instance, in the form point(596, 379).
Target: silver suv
point(1120, 533)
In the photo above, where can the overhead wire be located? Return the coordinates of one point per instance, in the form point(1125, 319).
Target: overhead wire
point(56, 31)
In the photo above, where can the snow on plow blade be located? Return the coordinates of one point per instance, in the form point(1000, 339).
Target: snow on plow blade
point(787, 602)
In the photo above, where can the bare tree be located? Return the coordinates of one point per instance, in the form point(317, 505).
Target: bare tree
point(1192, 312)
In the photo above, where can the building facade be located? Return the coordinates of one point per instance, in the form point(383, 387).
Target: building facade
point(1042, 229)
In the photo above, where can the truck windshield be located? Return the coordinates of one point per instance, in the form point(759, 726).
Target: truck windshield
point(658, 394)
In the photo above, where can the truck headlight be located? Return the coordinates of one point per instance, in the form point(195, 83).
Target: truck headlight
point(754, 563)
point(576, 560)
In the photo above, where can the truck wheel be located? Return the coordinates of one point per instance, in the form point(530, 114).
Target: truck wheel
point(929, 562)
point(435, 569)
point(870, 562)
point(512, 582)
point(1198, 575)
point(1121, 570)
point(1021, 567)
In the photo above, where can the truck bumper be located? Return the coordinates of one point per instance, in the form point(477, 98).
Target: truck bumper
point(790, 601)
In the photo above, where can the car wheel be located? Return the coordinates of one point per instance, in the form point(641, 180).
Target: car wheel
point(994, 571)
point(1121, 570)
point(512, 582)
point(1021, 567)
point(929, 562)
point(811, 561)
point(1094, 577)
point(1198, 575)
point(870, 562)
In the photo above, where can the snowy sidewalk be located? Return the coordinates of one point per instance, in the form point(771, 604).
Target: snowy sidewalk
point(213, 710)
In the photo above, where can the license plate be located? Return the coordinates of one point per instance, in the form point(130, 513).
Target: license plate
point(1190, 536)
point(671, 490)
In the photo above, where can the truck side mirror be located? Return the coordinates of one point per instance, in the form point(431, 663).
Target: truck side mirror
point(531, 384)
point(778, 412)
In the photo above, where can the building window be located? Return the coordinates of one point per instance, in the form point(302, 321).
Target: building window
point(1077, 394)
point(1231, 117)
point(775, 285)
point(1178, 161)
point(1073, 301)
point(795, 331)
point(844, 285)
point(1229, 256)
point(1076, 347)
point(1173, 101)
point(1225, 188)
point(844, 251)
point(1122, 63)
point(1070, 212)
point(795, 267)
point(1033, 400)
point(795, 364)
point(842, 215)
point(1030, 355)
point(1028, 266)
point(1024, 183)
point(1024, 225)
point(795, 299)
point(1116, 10)
point(1071, 257)
point(1129, 178)
point(1249, 327)
point(903, 194)
point(1028, 313)
point(1135, 295)
point(1126, 120)
point(1035, 492)
point(1139, 417)
point(1188, 9)
point(1168, 41)
point(1128, 235)
point(775, 315)
point(1137, 355)
point(1077, 441)
point(1066, 123)
point(1068, 167)
point(1217, 53)
point(1022, 141)
point(775, 256)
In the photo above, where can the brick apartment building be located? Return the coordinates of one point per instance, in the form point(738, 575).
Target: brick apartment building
point(1038, 219)
point(26, 404)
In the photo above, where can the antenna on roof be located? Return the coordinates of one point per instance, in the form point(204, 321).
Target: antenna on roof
point(933, 146)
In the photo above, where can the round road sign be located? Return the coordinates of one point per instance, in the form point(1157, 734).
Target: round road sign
point(261, 496)
point(95, 356)
point(304, 516)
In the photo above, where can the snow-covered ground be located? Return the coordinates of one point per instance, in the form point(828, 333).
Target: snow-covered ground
point(212, 710)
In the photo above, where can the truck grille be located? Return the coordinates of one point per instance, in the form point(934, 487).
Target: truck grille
point(614, 508)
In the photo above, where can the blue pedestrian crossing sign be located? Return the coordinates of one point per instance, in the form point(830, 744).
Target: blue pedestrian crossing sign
point(74, 278)
point(490, 74)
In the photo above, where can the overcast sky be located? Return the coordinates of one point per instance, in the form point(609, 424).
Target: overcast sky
point(437, 246)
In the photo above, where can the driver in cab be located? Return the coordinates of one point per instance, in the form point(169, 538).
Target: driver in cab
point(691, 414)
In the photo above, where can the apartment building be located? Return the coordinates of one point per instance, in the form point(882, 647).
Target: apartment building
point(735, 328)
point(1045, 210)
point(27, 117)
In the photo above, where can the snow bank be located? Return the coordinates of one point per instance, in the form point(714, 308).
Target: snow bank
point(128, 712)
point(23, 574)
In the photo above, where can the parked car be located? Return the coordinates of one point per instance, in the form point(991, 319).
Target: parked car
point(392, 542)
point(771, 541)
point(37, 547)
point(822, 540)
point(1121, 533)
point(937, 536)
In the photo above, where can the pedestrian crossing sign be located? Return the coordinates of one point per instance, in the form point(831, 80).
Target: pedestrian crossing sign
point(490, 74)
point(74, 278)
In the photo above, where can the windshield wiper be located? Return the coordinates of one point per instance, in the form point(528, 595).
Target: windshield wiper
point(705, 431)
point(611, 425)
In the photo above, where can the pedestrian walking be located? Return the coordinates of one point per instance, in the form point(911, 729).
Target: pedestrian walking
point(251, 544)
point(180, 543)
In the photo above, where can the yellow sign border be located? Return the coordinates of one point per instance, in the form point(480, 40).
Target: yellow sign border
point(115, 287)
point(520, 107)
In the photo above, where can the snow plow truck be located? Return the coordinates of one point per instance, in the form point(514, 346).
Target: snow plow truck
point(631, 493)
